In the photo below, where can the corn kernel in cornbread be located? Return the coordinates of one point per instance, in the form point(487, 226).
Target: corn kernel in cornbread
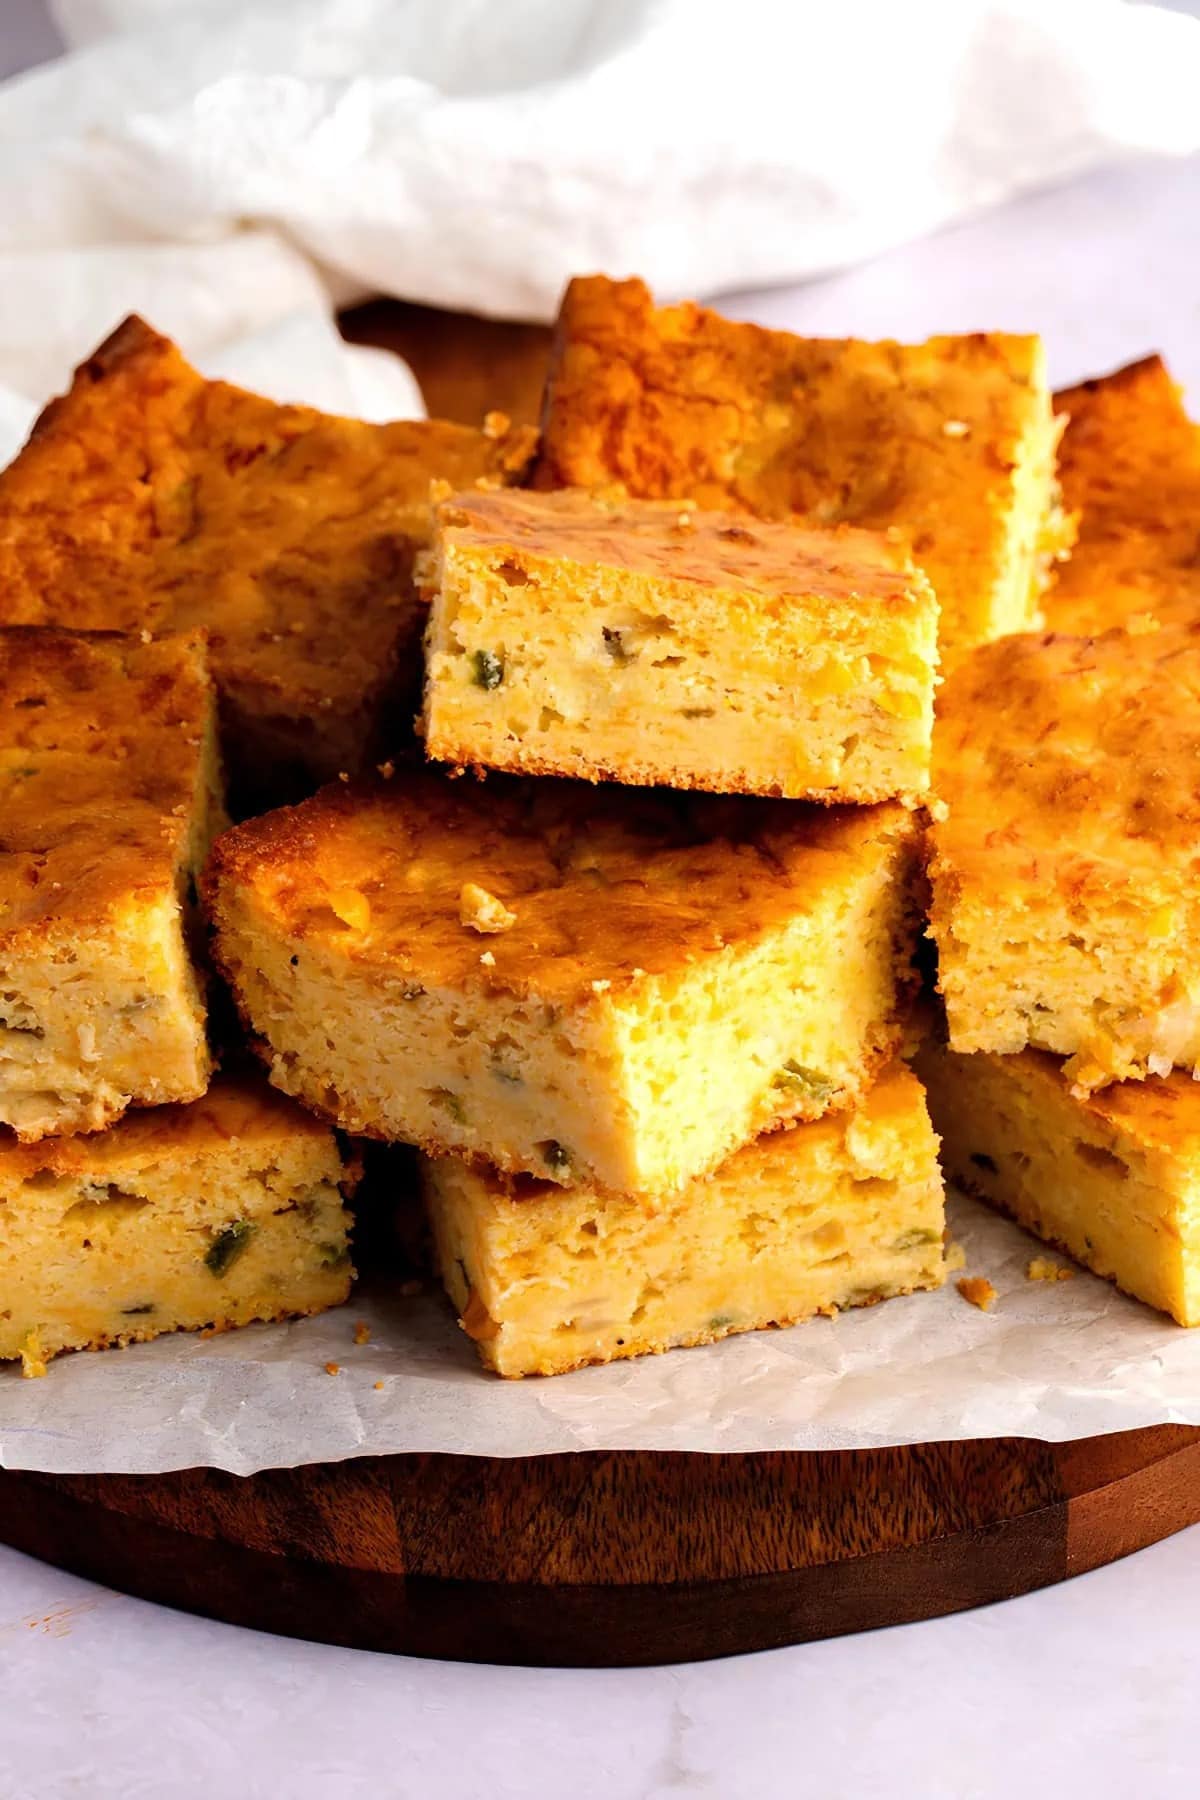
point(1066, 872)
point(212, 1214)
point(1130, 466)
point(1112, 1178)
point(148, 497)
point(954, 439)
point(652, 643)
point(680, 973)
point(840, 1212)
point(109, 792)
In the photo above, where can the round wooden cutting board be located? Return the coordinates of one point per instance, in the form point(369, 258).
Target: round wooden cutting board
point(610, 1559)
point(602, 1558)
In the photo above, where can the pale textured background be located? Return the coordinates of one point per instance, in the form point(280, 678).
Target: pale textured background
point(1085, 1689)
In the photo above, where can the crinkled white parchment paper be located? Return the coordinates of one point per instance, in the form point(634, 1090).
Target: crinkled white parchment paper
point(1053, 1360)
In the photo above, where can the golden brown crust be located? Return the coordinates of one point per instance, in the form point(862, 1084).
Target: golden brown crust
point(1071, 762)
point(1130, 468)
point(149, 498)
point(235, 1108)
point(681, 403)
point(1161, 1113)
point(605, 885)
point(102, 741)
point(772, 560)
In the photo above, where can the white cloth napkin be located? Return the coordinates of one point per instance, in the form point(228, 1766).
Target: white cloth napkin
point(230, 167)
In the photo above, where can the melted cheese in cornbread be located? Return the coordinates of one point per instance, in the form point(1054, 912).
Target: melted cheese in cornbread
point(954, 440)
point(837, 1213)
point(657, 644)
point(677, 974)
point(1130, 464)
point(148, 497)
point(1066, 872)
point(109, 793)
point(1112, 1178)
point(212, 1214)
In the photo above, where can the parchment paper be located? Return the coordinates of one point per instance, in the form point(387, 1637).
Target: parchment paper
point(1052, 1360)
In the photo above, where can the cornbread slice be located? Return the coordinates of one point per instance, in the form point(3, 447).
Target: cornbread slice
point(109, 793)
point(1111, 1178)
point(607, 986)
point(212, 1214)
point(841, 1212)
point(954, 439)
point(1130, 465)
point(149, 498)
point(1066, 871)
point(656, 644)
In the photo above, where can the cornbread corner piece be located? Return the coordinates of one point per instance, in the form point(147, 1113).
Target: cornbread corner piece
point(148, 497)
point(1112, 1179)
point(652, 643)
point(954, 439)
point(213, 1214)
point(1130, 466)
point(109, 794)
point(671, 975)
point(841, 1212)
point(1066, 868)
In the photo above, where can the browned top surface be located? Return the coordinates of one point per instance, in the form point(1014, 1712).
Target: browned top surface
point(679, 402)
point(236, 1110)
point(670, 540)
point(607, 885)
point(101, 750)
point(148, 496)
point(1160, 1113)
point(1080, 754)
point(1130, 464)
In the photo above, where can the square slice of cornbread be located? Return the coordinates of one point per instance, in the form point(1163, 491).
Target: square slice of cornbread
point(1130, 466)
point(953, 440)
point(212, 1214)
point(596, 985)
point(648, 642)
point(841, 1212)
point(149, 498)
point(1112, 1178)
point(1066, 867)
point(109, 794)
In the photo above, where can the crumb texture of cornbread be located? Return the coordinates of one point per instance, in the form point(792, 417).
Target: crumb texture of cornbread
point(662, 645)
point(1066, 870)
point(109, 794)
point(212, 1214)
point(1111, 1178)
point(1130, 466)
point(149, 498)
point(680, 971)
point(840, 1212)
point(954, 439)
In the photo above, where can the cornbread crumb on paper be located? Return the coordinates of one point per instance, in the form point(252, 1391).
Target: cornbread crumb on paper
point(1044, 1268)
point(332, 1368)
point(978, 1291)
point(362, 1332)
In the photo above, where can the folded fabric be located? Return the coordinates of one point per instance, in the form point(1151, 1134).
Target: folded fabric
point(225, 163)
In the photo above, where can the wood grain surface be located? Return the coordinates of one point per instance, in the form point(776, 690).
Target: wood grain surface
point(617, 1558)
point(613, 1558)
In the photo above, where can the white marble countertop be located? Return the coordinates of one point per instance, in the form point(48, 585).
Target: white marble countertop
point(1087, 1688)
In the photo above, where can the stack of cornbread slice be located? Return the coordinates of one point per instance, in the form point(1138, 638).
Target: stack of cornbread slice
point(1066, 871)
point(214, 1205)
point(155, 525)
point(640, 993)
point(645, 1033)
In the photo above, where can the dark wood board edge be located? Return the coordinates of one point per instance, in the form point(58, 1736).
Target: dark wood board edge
point(356, 1571)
